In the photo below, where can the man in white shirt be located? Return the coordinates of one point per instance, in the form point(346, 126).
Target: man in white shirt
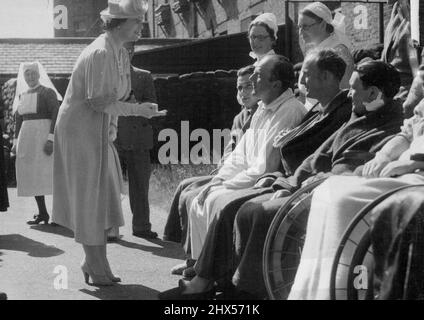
point(278, 110)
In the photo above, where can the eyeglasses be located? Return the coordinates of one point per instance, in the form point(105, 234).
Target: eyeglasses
point(307, 26)
point(258, 37)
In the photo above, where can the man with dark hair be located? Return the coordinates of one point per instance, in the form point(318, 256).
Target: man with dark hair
point(133, 143)
point(375, 118)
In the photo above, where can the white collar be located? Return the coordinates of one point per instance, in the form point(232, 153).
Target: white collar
point(260, 57)
point(283, 98)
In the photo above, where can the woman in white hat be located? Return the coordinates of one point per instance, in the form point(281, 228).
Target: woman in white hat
point(318, 30)
point(262, 35)
point(35, 107)
point(87, 178)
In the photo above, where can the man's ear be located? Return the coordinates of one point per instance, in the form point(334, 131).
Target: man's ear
point(324, 76)
point(373, 93)
point(278, 84)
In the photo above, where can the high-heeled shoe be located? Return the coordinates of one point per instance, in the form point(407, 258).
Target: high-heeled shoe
point(38, 218)
point(113, 278)
point(97, 280)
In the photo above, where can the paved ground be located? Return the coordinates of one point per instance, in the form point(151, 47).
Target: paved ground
point(30, 255)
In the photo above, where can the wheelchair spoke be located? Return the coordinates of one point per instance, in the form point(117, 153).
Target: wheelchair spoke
point(355, 243)
point(296, 239)
point(290, 253)
point(294, 222)
point(366, 222)
point(282, 269)
point(344, 264)
point(283, 287)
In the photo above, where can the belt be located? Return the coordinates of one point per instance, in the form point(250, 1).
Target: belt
point(37, 116)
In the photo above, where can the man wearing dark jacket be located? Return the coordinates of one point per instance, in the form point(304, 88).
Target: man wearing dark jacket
point(134, 141)
point(375, 119)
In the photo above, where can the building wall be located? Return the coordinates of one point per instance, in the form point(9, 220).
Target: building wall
point(210, 18)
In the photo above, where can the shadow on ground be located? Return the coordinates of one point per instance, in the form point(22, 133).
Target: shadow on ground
point(59, 230)
point(167, 249)
point(17, 242)
point(123, 292)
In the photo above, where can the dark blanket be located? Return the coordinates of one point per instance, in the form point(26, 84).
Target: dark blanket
point(344, 151)
point(397, 237)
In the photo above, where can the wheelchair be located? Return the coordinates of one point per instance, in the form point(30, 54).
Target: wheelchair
point(285, 239)
point(284, 242)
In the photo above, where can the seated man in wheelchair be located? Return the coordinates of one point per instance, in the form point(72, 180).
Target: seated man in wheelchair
point(335, 203)
point(375, 119)
point(254, 155)
point(323, 71)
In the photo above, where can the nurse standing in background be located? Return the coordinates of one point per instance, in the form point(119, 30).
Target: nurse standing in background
point(36, 106)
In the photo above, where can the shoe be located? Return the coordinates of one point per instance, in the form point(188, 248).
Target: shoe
point(177, 294)
point(145, 234)
point(38, 219)
point(189, 273)
point(113, 239)
point(98, 280)
point(179, 268)
point(53, 224)
point(114, 278)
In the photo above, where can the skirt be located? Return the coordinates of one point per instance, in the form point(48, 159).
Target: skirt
point(114, 216)
point(34, 168)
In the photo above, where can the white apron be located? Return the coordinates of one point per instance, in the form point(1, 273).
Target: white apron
point(34, 168)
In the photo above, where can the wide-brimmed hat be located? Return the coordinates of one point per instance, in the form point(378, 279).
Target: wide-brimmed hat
point(124, 9)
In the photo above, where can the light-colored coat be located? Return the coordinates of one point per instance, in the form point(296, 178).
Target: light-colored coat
point(81, 183)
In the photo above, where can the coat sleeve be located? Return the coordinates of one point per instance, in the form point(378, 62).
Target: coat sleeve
point(53, 107)
point(100, 89)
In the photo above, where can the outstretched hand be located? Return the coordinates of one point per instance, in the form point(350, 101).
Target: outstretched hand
point(152, 110)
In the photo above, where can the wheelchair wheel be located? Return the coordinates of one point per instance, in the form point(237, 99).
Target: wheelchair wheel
point(284, 243)
point(352, 269)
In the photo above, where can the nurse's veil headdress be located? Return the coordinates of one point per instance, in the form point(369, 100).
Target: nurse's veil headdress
point(22, 86)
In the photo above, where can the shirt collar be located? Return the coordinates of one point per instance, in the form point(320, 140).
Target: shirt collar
point(274, 105)
point(259, 57)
